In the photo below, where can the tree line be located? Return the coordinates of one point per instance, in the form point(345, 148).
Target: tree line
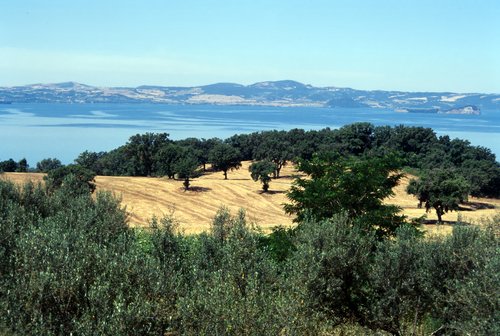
point(419, 148)
point(448, 170)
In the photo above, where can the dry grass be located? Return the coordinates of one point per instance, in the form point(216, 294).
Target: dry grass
point(147, 197)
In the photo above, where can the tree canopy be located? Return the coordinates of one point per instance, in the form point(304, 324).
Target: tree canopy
point(261, 171)
point(48, 164)
point(440, 189)
point(142, 148)
point(186, 167)
point(225, 157)
point(354, 186)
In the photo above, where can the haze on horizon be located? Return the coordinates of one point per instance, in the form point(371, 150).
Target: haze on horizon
point(389, 45)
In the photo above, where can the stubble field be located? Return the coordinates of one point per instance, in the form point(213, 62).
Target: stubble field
point(145, 197)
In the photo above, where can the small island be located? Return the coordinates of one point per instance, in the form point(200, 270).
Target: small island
point(467, 109)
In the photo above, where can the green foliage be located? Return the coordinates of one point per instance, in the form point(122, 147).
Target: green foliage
point(224, 157)
point(201, 147)
point(353, 186)
point(75, 179)
point(441, 189)
point(22, 166)
point(330, 269)
point(186, 168)
point(69, 264)
point(234, 292)
point(355, 138)
point(398, 283)
point(48, 164)
point(465, 281)
point(91, 161)
point(483, 177)
point(276, 148)
point(279, 243)
point(141, 150)
point(166, 158)
point(261, 171)
point(8, 166)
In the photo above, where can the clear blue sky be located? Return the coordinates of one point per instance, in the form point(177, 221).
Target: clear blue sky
point(415, 45)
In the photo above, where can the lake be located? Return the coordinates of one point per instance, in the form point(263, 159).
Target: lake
point(37, 131)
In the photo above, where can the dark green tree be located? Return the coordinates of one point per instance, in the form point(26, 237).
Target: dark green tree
point(8, 166)
point(247, 144)
point(166, 158)
point(91, 161)
point(116, 162)
point(354, 186)
point(275, 148)
point(483, 177)
point(225, 157)
point(22, 166)
point(261, 171)
point(79, 179)
point(355, 138)
point(186, 168)
point(141, 150)
point(440, 189)
point(48, 164)
point(200, 147)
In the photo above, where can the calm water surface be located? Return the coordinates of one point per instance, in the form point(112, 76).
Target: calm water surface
point(37, 131)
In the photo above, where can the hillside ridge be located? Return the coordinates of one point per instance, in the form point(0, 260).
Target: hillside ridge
point(267, 93)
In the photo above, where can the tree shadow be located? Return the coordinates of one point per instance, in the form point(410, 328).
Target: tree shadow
point(271, 192)
point(196, 189)
point(445, 222)
point(473, 206)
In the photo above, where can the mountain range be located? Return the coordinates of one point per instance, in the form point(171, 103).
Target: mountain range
point(270, 93)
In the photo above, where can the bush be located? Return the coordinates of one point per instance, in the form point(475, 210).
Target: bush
point(69, 264)
point(330, 269)
point(234, 293)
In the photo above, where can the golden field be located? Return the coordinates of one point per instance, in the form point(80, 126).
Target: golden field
point(145, 197)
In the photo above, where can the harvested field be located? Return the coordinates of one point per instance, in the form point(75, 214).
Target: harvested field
point(145, 197)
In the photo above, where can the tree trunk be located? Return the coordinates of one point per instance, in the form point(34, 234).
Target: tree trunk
point(439, 213)
point(225, 174)
point(265, 186)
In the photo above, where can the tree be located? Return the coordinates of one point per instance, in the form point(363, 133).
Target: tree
point(22, 166)
point(142, 148)
point(166, 158)
point(80, 179)
point(8, 166)
point(354, 186)
point(355, 138)
point(441, 189)
point(275, 148)
point(48, 164)
point(201, 148)
point(483, 177)
point(91, 161)
point(186, 168)
point(225, 157)
point(260, 171)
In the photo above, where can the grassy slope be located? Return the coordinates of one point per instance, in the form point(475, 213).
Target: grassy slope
point(146, 197)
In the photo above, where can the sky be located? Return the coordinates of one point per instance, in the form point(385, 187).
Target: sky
point(409, 45)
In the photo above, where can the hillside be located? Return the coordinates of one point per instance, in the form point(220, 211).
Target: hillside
point(269, 93)
point(145, 197)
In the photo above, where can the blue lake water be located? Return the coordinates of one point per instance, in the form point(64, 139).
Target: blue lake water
point(37, 131)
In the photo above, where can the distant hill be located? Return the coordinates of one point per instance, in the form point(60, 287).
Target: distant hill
point(271, 93)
